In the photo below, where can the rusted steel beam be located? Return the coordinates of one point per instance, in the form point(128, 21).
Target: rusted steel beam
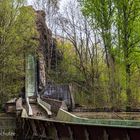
point(63, 131)
point(35, 133)
point(79, 132)
point(134, 134)
point(66, 131)
point(98, 133)
point(117, 133)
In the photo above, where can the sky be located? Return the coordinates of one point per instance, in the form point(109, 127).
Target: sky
point(29, 2)
point(62, 2)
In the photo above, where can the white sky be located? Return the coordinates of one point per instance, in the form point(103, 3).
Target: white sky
point(29, 2)
point(62, 2)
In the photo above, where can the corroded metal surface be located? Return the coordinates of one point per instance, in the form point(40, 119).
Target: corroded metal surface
point(51, 130)
point(61, 93)
point(55, 104)
point(66, 126)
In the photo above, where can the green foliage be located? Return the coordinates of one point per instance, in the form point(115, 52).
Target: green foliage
point(66, 69)
point(109, 74)
point(118, 24)
point(17, 28)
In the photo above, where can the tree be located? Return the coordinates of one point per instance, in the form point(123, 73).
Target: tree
point(127, 22)
point(117, 22)
point(50, 7)
point(17, 28)
point(75, 28)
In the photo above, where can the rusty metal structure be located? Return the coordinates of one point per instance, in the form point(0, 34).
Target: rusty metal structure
point(61, 130)
point(42, 117)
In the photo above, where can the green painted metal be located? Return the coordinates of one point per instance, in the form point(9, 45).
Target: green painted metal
point(30, 78)
point(68, 117)
point(65, 117)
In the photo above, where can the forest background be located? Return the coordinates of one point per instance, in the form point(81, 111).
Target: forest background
point(99, 42)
